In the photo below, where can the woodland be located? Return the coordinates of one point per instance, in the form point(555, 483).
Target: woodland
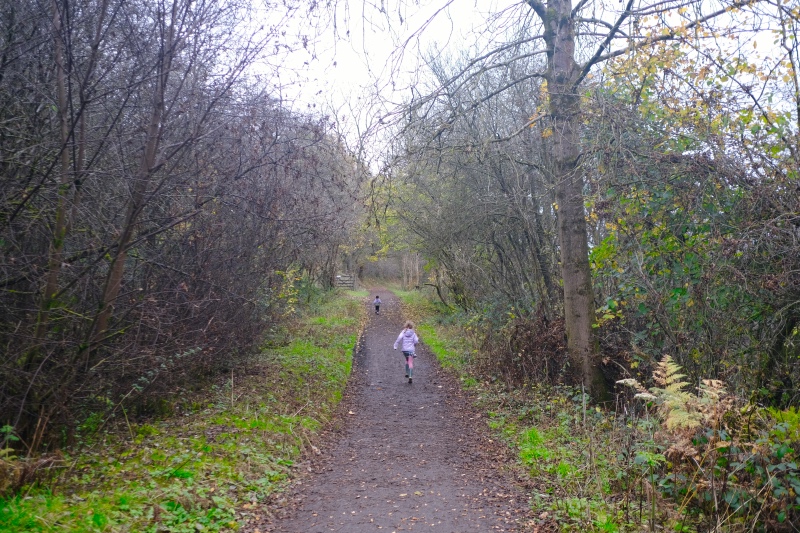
point(597, 197)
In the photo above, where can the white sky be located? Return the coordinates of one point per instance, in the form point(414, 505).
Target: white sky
point(349, 70)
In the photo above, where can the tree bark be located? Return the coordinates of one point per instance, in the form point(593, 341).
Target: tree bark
point(141, 180)
point(564, 109)
point(55, 255)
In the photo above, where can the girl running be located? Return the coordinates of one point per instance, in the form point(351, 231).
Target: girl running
point(409, 341)
point(377, 303)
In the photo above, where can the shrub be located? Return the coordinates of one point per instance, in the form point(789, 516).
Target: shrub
point(727, 460)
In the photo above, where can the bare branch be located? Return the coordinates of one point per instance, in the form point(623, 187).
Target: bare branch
point(539, 8)
point(672, 33)
point(603, 45)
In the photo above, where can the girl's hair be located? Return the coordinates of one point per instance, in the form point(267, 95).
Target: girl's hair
point(409, 325)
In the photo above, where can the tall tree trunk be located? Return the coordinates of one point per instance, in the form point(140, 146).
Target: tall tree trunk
point(539, 240)
point(564, 108)
point(55, 255)
point(142, 179)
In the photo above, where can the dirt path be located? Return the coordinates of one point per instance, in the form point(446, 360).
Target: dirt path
point(409, 457)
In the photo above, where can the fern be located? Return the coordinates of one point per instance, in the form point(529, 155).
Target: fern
point(667, 373)
point(641, 392)
point(680, 410)
point(676, 404)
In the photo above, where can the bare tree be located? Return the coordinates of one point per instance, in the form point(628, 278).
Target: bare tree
point(152, 191)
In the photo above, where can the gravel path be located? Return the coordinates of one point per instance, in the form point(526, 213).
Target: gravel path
point(407, 457)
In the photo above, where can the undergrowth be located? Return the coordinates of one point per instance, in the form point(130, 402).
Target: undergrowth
point(236, 445)
point(668, 459)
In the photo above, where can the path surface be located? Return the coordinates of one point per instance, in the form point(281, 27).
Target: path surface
point(409, 457)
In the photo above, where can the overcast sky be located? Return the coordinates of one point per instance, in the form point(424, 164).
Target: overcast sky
point(344, 65)
point(345, 69)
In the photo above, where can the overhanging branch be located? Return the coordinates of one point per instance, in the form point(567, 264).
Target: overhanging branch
point(672, 34)
point(598, 54)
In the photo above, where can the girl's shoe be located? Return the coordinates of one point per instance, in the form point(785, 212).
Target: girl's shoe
point(409, 381)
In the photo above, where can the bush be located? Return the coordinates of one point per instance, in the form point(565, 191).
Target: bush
point(723, 459)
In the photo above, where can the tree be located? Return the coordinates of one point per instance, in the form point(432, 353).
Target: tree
point(154, 196)
point(574, 40)
point(476, 197)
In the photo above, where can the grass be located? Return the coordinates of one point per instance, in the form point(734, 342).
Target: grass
point(196, 472)
point(439, 329)
point(568, 451)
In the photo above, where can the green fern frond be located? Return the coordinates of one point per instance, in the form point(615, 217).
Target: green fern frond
point(675, 388)
point(682, 411)
point(7, 453)
point(790, 419)
point(675, 399)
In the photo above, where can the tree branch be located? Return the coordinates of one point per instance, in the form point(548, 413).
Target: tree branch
point(538, 7)
point(602, 23)
point(597, 55)
point(578, 8)
point(672, 33)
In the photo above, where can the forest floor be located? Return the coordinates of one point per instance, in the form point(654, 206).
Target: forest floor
point(402, 457)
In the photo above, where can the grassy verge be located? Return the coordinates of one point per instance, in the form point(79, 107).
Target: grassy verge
point(440, 329)
point(672, 459)
point(191, 472)
point(562, 444)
